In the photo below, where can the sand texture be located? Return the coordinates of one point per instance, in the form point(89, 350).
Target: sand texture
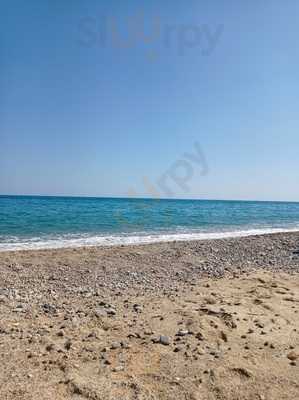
point(195, 320)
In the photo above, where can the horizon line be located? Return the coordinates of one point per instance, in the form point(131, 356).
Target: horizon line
point(145, 198)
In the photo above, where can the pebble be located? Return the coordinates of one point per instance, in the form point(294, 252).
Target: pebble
point(68, 344)
point(199, 336)
point(183, 332)
point(3, 299)
point(125, 345)
point(111, 311)
point(20, 308)
point(293, 356)
point(100, 313)
point(137, 308)
point(293, 363)
point(48, 308)
point(165, 340)
point(115, 345)
point(50, 347)
point(119, 368)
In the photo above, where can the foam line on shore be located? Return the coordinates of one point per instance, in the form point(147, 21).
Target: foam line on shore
point(116, 240)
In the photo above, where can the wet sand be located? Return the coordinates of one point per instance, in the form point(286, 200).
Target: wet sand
point(186, 320)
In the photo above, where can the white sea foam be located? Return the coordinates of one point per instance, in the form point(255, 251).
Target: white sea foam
point(116, 240)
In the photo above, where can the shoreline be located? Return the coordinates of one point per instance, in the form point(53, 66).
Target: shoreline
point(171, 262)
point(136, 240)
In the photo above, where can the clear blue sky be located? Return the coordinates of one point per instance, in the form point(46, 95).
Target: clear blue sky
point(82, 115)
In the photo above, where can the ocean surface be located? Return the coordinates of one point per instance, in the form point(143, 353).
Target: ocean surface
point(32, 222)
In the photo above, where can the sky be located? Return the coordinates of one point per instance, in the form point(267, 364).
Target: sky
point(179, 99)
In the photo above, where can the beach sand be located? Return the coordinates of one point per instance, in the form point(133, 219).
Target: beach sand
point(184, 320)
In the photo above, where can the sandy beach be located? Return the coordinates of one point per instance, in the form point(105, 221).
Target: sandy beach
point(183, 320)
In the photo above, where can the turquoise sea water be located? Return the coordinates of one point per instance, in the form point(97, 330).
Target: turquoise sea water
point(29, 222)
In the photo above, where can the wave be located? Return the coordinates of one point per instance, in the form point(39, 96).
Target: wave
point(133, 239)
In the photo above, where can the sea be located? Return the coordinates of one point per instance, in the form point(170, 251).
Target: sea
point(44, 222)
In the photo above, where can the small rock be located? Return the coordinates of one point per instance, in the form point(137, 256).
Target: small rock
point(111, 311)
point(20, 308)
point(100, 313)
point(119, 368)
point(260, 324)
point(148, 332)
point(3, 299)
point(68, 344)
point(223, 336)
point(165, 340)
point(50, 347)
point(48, 308)
point(292, 355)
point(199, 336)
point(183, 332)
point(137, 308)
point(115, 345)
point(125, 345)
point(293, 363)
point(210, 300)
